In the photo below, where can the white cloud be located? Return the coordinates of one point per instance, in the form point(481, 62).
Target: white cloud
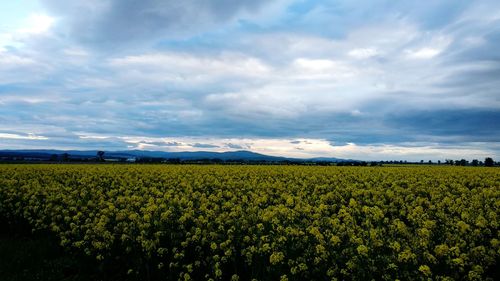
point(18, 68)
point(8, 60)
point(315, 65)
point(256, 77)
point(34, 25)
point(183, 68)
point(5, 39)
point(76, 52)
point(37, 23)
point(22, 137)
point(424, 53)
point(363, 53)
point(309, 148)
point(431, 46)
point(93, 137)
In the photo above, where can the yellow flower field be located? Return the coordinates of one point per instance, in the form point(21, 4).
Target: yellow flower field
point(266, 222)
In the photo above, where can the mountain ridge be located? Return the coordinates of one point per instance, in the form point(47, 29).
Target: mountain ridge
point(246, 155)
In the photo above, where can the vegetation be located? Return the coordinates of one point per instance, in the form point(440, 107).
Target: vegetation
point(26, 256)
point(165, 222)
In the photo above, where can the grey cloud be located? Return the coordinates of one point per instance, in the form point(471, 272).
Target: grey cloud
point(172, 143)
point(204, 145)
point(336, 18)
point(162, 143)
point(450, 98)
point(68, 141)
point(114, 22)
point(468, 124)
point(234, 146)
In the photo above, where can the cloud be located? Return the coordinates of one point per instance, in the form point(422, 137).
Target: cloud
point(319, 148)
point(37, 23)
point(161, 143)
point(306, 148)
point(22, 137)
point(424, 53)
point(204, 145)
point(184, 69)
point(249, 75)
point(113, 23)
point(234, 146)
point(362, 53)
point(469, 125)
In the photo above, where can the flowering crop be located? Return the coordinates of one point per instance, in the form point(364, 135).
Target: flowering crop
point(267, 222)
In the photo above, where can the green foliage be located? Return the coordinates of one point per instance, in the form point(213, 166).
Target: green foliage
point(25, 256)
point(266, 222)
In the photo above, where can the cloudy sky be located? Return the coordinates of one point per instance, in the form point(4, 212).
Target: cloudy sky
point(379, 79)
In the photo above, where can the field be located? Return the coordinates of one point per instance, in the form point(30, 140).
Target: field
point(147, 222)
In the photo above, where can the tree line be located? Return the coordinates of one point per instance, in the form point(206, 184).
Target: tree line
point(100, 158)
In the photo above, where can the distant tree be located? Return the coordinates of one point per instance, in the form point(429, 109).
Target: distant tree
point(439, 162)
point(421, 161)
point(174, 160)
point(65, 157)
point(475, 162)
point(53, 157)
point(488, 162)
point(216, 160)
point(430, 161)
point(100, 156)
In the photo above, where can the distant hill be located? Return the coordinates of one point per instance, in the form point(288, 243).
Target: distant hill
point(331, 159)
point(45, 154)
point(188, 155)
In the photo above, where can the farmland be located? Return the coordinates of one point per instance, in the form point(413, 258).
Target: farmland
point(168, 222)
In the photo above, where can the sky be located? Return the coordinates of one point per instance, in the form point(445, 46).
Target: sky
point(368, 80)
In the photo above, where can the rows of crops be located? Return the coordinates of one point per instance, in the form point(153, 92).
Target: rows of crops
point(267, 222)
